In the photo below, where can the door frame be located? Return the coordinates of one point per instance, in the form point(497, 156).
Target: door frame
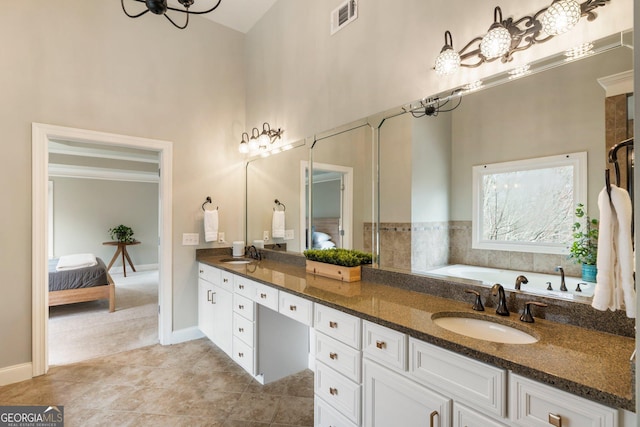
point(40, 137)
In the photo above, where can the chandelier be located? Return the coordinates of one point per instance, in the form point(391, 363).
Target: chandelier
point(160, 7)
point(508, 36)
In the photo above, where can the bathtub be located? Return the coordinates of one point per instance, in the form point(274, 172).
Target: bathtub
point(507, 278)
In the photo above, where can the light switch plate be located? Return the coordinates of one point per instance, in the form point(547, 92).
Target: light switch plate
point(190, 239)
point(288, 234)
point(220, 236)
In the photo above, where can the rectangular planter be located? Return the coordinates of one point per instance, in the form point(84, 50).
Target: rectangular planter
point(346, 274)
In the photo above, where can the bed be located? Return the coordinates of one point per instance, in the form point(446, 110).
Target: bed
point(326, 233)
point(81, 284)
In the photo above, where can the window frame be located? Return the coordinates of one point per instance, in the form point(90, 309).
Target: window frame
point(577, 160)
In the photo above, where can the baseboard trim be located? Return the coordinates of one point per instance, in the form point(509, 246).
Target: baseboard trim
point(16, 373)
point(186, 334)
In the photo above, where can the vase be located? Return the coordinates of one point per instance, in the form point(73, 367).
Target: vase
point(589, 272)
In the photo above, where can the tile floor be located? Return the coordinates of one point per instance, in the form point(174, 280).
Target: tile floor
point(188, 384)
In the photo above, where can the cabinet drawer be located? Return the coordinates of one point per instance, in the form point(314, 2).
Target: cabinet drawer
point(338, 391)
point(244, 306)
point(297, 308)
point(244, 329)
point(226, 280)
point(338, 325)
point(466, 417)
point(339, 356)
point(243, 355)
point(208, 273)
point(325, 416)
point(267, 296)
point(385, 345)
point(474, 383)
point(244, 286)
point(535, 404)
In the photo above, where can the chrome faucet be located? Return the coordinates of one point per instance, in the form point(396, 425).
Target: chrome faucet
point(563, 285)
point(520, 280)
point(252, 252)
point(502, 309)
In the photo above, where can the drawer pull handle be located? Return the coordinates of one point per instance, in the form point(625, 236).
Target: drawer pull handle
point(240, 307)
point(381, 345)
point(432, 417)
point(241, 287)
point(201, 271)
point(333, 325)
point(333, 391)
point(209, 295)
point(293, 308)
point(263, 296)
point(212, 299)
point(241, 330)
point(555, 420)
point(240, 354)
point(225, 280)
point(333, 356)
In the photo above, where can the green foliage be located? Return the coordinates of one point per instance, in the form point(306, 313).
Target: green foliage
point(584, 249)
point(337, 256)
point(122, 233)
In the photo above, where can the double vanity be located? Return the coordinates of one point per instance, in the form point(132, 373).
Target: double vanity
point(385, 355)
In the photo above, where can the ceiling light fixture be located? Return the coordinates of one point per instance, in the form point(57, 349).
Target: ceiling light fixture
point(259, 141)
point(508, 36)
point(160, 7)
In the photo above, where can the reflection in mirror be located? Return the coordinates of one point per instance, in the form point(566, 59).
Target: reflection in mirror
point(341, 191)
point(426, 163)
point(276, 177)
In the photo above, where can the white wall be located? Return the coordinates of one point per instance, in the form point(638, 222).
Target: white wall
point(84, 64)
point(85, 209)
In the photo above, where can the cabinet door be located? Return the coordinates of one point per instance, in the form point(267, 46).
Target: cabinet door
point(222, 317)
point(390, 399)
point(466, 417)
point(205, 308)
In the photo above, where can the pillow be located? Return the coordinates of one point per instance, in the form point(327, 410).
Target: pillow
point(324, 245)
point(320, 237)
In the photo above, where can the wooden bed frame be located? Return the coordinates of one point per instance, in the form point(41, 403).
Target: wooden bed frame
point(330, 226)
point(69, 296)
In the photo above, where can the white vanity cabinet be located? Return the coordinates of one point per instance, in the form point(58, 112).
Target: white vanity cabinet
point(338, 375)
point(537, 405)
point(215, 311)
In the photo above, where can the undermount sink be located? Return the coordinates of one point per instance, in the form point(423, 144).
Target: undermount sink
point(236, 260)
point(482, 328)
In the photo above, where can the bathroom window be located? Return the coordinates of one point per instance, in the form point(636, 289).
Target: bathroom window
point(528, 205)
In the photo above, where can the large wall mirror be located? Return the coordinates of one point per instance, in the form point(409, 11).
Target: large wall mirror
point(411, 178)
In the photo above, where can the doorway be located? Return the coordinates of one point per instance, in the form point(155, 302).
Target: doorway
point(42, 136)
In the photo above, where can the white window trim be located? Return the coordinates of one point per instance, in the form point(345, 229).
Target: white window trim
point(577, 160)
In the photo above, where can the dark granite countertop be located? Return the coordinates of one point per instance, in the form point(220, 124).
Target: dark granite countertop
point(591, 364)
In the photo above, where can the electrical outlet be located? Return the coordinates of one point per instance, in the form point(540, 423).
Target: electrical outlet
point(288, 234)
point(265, 236)
point(220, 236)
point(190, 239)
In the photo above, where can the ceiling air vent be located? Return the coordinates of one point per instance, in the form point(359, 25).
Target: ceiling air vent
point(343, 15)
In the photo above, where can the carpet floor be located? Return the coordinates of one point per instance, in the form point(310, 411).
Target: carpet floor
point(87, 330)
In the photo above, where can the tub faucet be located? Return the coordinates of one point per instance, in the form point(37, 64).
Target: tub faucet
point(502, 309)
point(520, 280)
point(563, 285)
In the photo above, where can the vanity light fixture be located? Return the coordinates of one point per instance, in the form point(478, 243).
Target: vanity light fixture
point(259, 141)
point(160, 7)
point(508, 36)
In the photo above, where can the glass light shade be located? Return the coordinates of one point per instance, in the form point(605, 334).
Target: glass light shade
point(448, 62)
point(244, 147)
point(560, 17)
point(263, 140)
point(496, 43)
point(253, 144)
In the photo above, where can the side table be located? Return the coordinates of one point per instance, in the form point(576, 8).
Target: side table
point(122, 249)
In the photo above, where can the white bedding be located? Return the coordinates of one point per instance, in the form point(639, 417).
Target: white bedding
point(72, 262)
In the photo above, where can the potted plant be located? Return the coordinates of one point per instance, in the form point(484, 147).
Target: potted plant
point(122, 233)
point(337, 263)
point(584, 249)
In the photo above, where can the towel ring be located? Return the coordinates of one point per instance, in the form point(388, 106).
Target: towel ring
point(277, 202)
point(208, 200)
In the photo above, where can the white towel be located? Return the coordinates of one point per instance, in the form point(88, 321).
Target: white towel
point(211, 225)
point(277, 224)
point(72, 262)
point(615, 285)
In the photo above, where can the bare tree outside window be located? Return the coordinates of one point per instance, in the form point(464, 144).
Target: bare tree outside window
point(528, 203)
